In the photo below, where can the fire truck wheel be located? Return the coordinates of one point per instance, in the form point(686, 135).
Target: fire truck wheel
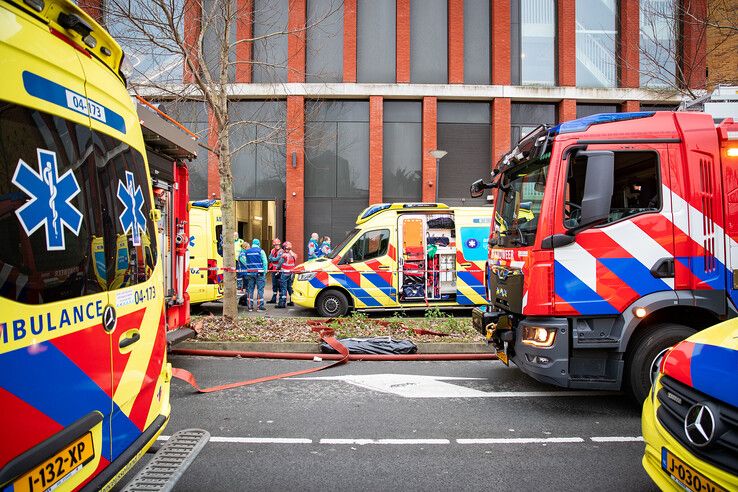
point(331, 303)
point(643, 351)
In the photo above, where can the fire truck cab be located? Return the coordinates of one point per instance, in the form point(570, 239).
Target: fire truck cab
point(630, 247)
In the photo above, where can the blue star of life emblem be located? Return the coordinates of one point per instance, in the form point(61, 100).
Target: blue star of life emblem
point(472, 243)
point(50, 195)
point(132, 218)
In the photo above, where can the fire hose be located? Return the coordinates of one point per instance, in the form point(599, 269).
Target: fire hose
point(327, 334)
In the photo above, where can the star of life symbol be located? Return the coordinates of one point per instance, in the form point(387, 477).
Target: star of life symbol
point(472, 243)
point(132, 218)
point(50, 195)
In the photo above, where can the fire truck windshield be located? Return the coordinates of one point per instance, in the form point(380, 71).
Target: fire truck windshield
point(519, 206)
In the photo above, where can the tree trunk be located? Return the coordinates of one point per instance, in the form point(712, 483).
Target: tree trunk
point(230, 306)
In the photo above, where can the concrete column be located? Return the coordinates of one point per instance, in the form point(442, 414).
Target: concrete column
point(376, 128)
point(500, 39)
point(296, 42)
point(455, 41)
point(244, 31)
point(430, 142)
point(566, 59)
point(402, 63)
point(295, 202)
point(349, 41)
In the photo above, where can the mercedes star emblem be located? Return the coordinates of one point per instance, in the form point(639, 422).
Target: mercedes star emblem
point(110, 319)
point(699, 425)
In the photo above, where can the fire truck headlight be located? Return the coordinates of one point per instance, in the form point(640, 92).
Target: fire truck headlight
point(306, 277)
point(539, 336)
point(732, 151)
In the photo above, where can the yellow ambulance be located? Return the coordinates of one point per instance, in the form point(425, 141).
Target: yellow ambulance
point(84, 378)
point(206, 252)
point(401, 256)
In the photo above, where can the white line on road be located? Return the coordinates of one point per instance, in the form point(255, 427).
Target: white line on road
point(617, 439)
point(520, 440)
point(361, 442)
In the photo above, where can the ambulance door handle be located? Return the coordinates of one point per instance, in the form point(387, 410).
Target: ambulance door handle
point(384, 267)
point(132, 338)
point(466, 265)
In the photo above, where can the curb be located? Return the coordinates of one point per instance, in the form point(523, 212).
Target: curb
point(314, 348)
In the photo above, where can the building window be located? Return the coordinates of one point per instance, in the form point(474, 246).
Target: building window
point(533, 44)
point(259, 141)
point(590, 109)
point(429, 41)
point(270, 49)
point(336, 165)
point(194, 116)
point(465, 132)
point(476, 42)
point(324, 56)
point(658, 23)
point(596, 29)
point(524, 117)
point(375, 40)
point(402, 160)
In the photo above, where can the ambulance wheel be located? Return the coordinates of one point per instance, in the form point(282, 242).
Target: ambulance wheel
point(331, 304)
point(644, 354)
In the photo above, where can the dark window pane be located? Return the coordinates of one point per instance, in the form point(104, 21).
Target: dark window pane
point(469, 150)
point(335, 217)
point(270, 53)
point(525, 117)
point(352, 165)
point(194, 117)
point(402, 162)
point(476, 42)
point(403, 111)
point(214, 14)
point(590, 109)
point(375, 43)
point(320, 159)
point(596, 38)
point(429, 41)
point(324, 57)
point(321, 111)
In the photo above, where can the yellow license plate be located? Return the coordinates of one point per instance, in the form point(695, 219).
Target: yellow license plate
point(59, 468)
point(685, 475)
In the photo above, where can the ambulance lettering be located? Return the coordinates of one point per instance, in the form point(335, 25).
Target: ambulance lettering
point(132, 218)
point(38, 324)
point(50, 195)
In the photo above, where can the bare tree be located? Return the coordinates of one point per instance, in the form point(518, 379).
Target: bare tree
point(185, 51)
point(664, 63)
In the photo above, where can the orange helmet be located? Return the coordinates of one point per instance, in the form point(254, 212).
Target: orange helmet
point(287, 245)
point(276, 241)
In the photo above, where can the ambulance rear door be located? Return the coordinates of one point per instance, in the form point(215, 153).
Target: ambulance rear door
point(472, 233)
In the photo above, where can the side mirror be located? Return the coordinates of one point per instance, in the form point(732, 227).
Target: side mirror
point(477, 188)
point(598, 186)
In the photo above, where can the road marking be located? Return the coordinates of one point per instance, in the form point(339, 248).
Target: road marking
point(416, 386)
point(617, 439)
point(362, 442)
point(392, 441)
point(520, 440)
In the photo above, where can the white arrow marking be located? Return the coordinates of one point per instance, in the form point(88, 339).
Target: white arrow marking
point(416, 386)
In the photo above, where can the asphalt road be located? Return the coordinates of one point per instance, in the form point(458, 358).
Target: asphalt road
point(399, 425)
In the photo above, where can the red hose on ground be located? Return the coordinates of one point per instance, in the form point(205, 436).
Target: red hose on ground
point(307, 356)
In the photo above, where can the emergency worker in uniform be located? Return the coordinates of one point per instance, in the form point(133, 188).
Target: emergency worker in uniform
point(313, 246)
point(274, 255)
point(254, 261)
point(286, 264)
point(325, 246)
point(237, 247)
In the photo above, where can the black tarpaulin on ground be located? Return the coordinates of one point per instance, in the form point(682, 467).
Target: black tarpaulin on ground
point(374, 345)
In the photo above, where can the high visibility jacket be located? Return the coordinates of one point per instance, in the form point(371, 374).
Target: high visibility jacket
point(274, 255)
point(325, 248)
point(313, 249)
point(287, 262)
point(251, 260)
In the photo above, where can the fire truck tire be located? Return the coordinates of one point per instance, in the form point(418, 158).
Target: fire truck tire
point(331, 303)
point(643, 351)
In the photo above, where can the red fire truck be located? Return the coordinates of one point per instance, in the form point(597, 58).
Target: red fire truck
point(631, 246)
point(168, 146)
